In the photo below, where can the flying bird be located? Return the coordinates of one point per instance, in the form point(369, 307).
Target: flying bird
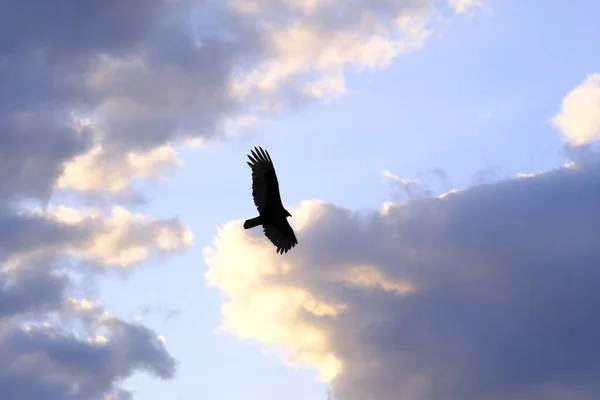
point(265, 191)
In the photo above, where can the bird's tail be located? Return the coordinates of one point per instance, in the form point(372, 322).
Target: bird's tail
point(252, 222)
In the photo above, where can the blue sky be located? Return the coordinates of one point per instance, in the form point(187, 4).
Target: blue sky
point(474, 100)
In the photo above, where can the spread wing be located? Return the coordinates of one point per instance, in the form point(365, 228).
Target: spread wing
point(281, 235)
point(265, 187)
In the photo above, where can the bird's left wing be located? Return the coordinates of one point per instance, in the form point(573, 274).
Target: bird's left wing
point(281, 235)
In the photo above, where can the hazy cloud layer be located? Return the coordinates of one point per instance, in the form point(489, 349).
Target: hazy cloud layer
point(488, 292)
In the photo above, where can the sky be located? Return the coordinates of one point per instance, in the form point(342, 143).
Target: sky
point(438, 158)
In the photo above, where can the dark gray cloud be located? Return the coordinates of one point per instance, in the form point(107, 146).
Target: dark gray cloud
point(49, 52)
point(21, 232)
point(54, 362)
point(507, 279)
point(34, 289)
point(176, 88)
point(73, 27)
point(145, 72)
point(47, 362)
point(505, 292)
point(33, 145)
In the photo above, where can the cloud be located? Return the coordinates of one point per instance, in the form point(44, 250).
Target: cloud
point(148, 82)
point(578, 120)
point(430, 182)
point(93, 172)
point(121, 239)
point(62, 349)
point(58, 347)
point(464, 6)
point(488, 292)
point(45, 361)
point(410, 188)
point(33, 289)
point(309, 44)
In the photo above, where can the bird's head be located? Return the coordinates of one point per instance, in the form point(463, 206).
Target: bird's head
point(287, 214)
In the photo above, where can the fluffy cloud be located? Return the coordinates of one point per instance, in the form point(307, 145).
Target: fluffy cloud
point(488, 292)
point(93, 172)
point(121, 239)
point(45, 361)
point(58, 348)
point(579, 117)
point(309, 44)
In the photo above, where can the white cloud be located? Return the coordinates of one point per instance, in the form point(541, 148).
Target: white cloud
point(520, 175)
point(486, 293)
point(96, 171)
point(464, 6)
point(309, 47)
point(123, 239)
point(120, 239)
point(579, 117)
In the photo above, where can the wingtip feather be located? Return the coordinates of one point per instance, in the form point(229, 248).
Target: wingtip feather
point(265, 154)
point(260, 155)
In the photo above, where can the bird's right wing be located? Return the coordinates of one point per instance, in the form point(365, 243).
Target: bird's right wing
point(265, 187)
point(282, 237)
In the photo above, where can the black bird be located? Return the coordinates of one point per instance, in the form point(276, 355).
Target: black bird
point(265, 191)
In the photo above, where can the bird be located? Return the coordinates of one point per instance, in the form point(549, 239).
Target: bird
point(265, 192)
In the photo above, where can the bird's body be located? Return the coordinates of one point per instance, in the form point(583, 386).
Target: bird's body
point(265, 192)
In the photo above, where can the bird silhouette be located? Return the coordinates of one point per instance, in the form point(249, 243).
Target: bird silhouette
point(265, 192)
